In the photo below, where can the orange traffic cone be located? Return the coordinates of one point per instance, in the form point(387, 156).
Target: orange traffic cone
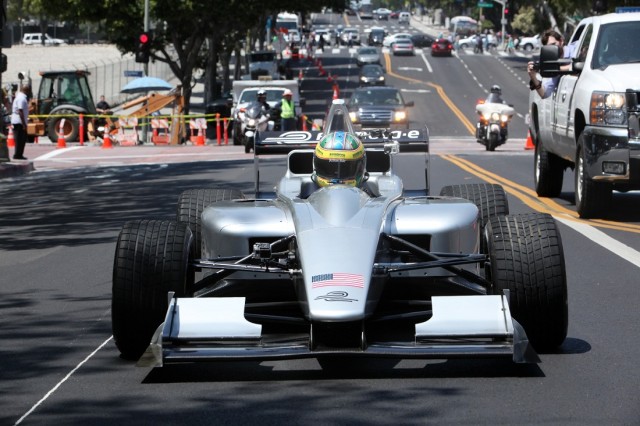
point(11, 142)
point(62, 142)
point(529, 144)
point(106, 142)
point(336, 92)
point(200, 138)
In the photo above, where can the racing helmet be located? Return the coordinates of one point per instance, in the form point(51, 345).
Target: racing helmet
point(496, 89)
point(339, 158)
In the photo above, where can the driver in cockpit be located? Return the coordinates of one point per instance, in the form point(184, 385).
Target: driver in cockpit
point(339, 158)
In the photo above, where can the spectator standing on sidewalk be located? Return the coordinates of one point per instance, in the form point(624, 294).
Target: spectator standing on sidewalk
point(5, 109)
point(19, 119)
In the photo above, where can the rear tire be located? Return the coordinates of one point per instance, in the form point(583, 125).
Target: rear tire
point(527, 258)
point(490, 199)
point(593, 199)
point(152, 258)
point(548, 172)
point(192, 203)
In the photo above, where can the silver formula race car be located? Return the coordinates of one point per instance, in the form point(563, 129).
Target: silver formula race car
point(306, 271)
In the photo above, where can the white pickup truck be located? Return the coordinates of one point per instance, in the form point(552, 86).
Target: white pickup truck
point(590, 123)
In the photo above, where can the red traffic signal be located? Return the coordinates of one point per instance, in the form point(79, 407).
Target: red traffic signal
point(143, 48)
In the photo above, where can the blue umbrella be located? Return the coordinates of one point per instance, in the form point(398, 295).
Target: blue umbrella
point(146, 84)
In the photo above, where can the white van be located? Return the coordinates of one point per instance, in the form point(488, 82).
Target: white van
point(404, 17)
point(36, 39)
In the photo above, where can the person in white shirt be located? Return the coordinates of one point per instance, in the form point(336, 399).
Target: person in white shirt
point(19, 119)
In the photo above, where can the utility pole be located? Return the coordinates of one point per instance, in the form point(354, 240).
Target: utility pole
point(503, 21)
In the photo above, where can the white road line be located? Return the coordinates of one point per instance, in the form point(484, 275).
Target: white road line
point(52, 154)
point(614, 246)
point(44, 398)
point(424, 58)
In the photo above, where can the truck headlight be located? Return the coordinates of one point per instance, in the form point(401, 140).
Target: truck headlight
point(353, 116)
point(400, 116)
point(608, 109)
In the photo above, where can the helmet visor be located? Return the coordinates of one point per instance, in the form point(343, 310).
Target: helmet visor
point(338, 170)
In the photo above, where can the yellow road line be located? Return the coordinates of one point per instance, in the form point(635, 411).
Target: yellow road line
point(530, 198)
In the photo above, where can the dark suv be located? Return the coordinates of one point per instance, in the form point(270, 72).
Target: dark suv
point(379, 108)
point(376, 36)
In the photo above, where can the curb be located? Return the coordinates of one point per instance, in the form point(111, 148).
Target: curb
point(15, 169)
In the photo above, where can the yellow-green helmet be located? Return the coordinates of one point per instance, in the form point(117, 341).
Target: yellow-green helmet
point(339, 158)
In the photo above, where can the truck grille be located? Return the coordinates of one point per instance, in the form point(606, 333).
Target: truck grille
point(376, 115)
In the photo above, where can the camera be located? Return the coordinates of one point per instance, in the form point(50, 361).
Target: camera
point(536, 66)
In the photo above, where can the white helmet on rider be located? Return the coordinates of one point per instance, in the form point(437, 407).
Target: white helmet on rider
point(496, 89)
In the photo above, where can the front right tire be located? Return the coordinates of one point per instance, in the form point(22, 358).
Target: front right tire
point(527, 258)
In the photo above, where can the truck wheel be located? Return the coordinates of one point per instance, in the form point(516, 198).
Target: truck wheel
point(527, 258)
point(592, 199)
point(548, 172)
point(152, 258)
point(70, 129)
point(192, 203)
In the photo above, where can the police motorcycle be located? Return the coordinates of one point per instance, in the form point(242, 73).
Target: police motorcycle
point(254, 118)
point(492, 129)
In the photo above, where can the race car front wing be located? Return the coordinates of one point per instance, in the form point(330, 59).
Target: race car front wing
point(207, 329)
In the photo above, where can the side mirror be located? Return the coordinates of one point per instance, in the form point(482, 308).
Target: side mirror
point(550, 62)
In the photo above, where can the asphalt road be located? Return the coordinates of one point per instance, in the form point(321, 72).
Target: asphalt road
point(58, 227)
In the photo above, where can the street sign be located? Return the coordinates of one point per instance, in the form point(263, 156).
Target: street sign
point(132, 73)
point(487, 5)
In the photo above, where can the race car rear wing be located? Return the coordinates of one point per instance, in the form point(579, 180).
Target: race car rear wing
point(408, 140)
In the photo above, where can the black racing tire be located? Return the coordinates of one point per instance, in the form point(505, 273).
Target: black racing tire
point(490, 199)
point(192, 203)
point(548, 172)
point(527, 258)
point(593, 199)
point(153, 257)
point(70, 129)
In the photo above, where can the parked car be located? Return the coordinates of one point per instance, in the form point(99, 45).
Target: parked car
point(372, 75)
point(402, 47)
point(489, 40)
point(422, 40)
point(36, 39)
point(441, 47)
point(367, 55)
point(529, 43)
point(379, 108)
point(389, 40)
point(376, 36)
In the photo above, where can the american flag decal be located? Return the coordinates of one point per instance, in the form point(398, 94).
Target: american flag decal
point(341, 279)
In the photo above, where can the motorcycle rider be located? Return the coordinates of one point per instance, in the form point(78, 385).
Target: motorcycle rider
point(495, 95)
point(339, 158)
point(262, 99)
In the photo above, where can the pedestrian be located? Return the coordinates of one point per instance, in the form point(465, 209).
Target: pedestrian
point(19, 119)
point(5, 109)
point(102, 107)
point(287, 112)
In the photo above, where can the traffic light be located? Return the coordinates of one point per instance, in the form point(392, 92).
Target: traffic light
point(143, 48)
point(506, 9)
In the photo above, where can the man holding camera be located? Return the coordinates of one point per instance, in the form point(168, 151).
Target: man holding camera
point(547, 86)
